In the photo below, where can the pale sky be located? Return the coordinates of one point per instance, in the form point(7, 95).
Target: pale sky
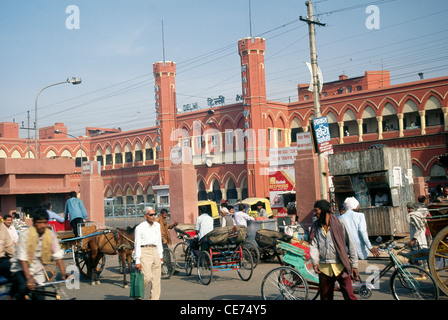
point(118, 41)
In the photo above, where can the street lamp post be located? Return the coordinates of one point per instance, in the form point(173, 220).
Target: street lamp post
point(73, 81)
point(80, 143)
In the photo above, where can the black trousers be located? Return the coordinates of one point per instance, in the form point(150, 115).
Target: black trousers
point(19, 289)
point(5, 266)
point(74, 224)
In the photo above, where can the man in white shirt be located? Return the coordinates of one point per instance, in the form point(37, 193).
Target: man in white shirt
point(204, 224)
point(37, 247)
point(11, 229)
point(241, 217)
point(149, 251)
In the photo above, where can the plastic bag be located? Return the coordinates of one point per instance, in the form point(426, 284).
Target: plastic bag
point(137, 285)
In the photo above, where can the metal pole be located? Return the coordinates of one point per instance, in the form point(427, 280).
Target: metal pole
point(36, 128)
point(316, 85)
point(37, 155)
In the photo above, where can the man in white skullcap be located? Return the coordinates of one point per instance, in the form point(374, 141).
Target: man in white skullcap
point(356, 223)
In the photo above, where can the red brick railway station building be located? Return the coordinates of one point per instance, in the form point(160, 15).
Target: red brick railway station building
point(230, 143)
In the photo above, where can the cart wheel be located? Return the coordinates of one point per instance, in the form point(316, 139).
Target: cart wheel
point(284, 283)
point(169, 264)
point(245, 265)
point(205, 268)
point(254, 251)
point(438, 259)
point(189, 261)
point(50, 271)
point(180, 253)
point(82, 262)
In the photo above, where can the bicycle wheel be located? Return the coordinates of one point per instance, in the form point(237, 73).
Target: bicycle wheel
point(180, 253)
point(169, 264)
point(284, 283)
point(189, 261)
point(253, 249)
point(245, 266)
point(413, 283)
point(205, 268)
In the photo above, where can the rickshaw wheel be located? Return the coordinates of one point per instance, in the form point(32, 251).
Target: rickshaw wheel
point(284, 283)
point(438, 259)
point(205, 268)
point(245, 265)
point(255, 252)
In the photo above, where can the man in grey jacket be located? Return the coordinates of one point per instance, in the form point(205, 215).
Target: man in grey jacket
point(329, 240)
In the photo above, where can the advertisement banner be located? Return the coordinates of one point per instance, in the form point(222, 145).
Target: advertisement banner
point(322, 133)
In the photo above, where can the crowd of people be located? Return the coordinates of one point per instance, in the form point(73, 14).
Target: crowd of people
point(337, 242)
point(24, 250)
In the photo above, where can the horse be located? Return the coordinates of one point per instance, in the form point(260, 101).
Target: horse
point(125, 249)
point(111, 242)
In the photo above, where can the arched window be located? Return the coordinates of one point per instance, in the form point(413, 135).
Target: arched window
point(350, 123)
point(434, 114)
point(296, 127)
point(411, 117)
point(390, 119)
point(369, 122)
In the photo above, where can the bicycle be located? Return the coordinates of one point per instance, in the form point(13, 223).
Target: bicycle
point(407, 281)
point(180, 250)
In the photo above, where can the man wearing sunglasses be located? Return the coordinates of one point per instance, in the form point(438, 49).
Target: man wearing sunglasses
point(149, 251)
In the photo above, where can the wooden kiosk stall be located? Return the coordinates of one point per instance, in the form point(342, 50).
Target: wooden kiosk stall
point(381, 171)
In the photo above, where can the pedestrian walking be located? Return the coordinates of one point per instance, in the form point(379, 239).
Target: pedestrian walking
point(166, 237)
point(149, 252)
point(329, 240)
point(357, 226)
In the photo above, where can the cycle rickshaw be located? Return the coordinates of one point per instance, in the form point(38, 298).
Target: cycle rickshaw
point(221, 251)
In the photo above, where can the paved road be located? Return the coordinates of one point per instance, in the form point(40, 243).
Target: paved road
point(226, 285)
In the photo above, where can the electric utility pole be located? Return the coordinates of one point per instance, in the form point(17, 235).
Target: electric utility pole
point(316, 90)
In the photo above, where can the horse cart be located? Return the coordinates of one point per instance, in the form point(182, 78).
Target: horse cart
point(90, 248)
point(79, 246)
